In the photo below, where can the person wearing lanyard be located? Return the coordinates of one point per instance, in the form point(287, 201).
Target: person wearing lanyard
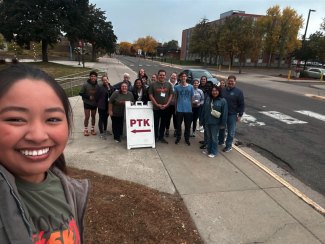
point(140, 92)
point(161, 93)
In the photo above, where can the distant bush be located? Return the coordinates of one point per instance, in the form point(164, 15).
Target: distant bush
point(19, 50)
point(2, 61)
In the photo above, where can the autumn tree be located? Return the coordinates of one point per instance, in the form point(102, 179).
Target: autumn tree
point(125, 48)
point(257, 41)
point(281, 31)
point(229, 31)
point(201, 39)
point(147, 44)
point(245, 39)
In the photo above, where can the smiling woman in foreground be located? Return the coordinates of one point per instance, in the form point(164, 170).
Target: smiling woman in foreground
point(39, 203)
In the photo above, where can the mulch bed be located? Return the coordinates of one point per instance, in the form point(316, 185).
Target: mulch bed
point(120, 211)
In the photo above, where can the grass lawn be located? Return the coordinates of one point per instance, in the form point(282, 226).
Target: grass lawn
point(75, 91)
point(120, 211)
point(53, 69)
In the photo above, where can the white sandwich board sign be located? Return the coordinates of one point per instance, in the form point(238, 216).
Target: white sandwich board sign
point(139, 125)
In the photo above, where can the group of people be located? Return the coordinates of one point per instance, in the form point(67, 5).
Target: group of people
point(216, 107)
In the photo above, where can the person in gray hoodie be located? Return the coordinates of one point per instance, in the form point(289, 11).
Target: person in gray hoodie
point(39, 202)
point(87, 93)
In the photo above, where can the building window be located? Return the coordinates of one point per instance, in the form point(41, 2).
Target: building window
point(277, 56)
point(261, 56)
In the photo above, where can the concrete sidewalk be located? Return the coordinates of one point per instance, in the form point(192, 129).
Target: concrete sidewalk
point(230, 199)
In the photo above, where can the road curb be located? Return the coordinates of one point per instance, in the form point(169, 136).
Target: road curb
point(315, 96)
point(282, 181)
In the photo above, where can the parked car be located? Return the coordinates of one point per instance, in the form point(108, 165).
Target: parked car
point(197, 74)
point(316, 73)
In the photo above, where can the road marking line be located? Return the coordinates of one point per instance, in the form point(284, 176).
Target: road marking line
point(131, 64)
point(140, 64)
point(311, 114)
point(148, 65)
point(283, 118)
point(282, 181)
point(250, 120)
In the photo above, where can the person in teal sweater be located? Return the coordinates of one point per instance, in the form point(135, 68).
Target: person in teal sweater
point(212, 124)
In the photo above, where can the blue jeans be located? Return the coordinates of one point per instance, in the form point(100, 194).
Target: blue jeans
point(231, 126)
point(212, 138)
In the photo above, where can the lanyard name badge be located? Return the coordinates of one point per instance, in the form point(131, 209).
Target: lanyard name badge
point(162, 94)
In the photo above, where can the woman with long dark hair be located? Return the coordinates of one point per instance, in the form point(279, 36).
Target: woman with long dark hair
point(214, 116)
point(102, 96)
point(140, 92)
point(143, 73)
point(35, 121)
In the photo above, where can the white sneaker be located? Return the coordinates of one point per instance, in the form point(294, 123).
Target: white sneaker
point(211, 155)
point(202, 131)
point(205, 152)
point(200, 128)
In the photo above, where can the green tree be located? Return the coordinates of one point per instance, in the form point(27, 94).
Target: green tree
point(201, 39)
point(173, 44)
point(99, 32)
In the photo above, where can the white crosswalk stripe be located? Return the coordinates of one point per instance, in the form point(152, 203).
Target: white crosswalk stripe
point(131, 64)
point(311, 114)
point(148, 65)
point(283, 118)
point(250, 120)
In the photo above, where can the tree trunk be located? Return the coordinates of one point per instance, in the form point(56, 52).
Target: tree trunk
point(239, 63)
point(269, 62)
point(279, 63)
point(205, 60)
point(231, 59)
point(215, 59)
point(45, 56)
point(201, 58)
point(93, 55)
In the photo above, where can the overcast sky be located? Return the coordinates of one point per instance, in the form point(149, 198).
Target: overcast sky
point(165, 19)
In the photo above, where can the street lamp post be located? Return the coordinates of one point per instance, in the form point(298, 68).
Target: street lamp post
point(15, 35)
point(303, 41)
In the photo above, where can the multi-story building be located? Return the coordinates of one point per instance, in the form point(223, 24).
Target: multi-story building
point(262, 60)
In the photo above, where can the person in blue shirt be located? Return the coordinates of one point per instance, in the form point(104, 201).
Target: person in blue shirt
point(183, 103)
point(236, 106)
point(212, 124)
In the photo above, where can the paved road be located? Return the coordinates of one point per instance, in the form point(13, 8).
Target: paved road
point(295, 143)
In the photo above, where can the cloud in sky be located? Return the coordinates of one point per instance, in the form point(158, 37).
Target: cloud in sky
point(165, 19)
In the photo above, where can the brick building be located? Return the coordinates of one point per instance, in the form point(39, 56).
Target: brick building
point(262, 60)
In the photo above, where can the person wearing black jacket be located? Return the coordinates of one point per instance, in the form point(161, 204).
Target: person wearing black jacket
point(126, 79)
point(102, 97)
point(203, 82)
point(236, 106)
point(140, 92)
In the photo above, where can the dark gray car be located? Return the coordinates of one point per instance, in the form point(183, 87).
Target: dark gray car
point(197, 74)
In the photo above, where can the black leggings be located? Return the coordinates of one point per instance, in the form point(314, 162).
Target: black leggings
point(172, 113)
point(196, 115)
point(102, 122)
point(117, 126)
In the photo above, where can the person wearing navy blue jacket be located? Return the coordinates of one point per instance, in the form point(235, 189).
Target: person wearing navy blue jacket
point(236, 106)
point(211, 123)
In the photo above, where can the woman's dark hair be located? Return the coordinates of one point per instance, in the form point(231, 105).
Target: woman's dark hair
point(127, 85)
point(139, 76)
point(16, 73)
point(218, 89)
point(134, 89)
point(145, 76)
